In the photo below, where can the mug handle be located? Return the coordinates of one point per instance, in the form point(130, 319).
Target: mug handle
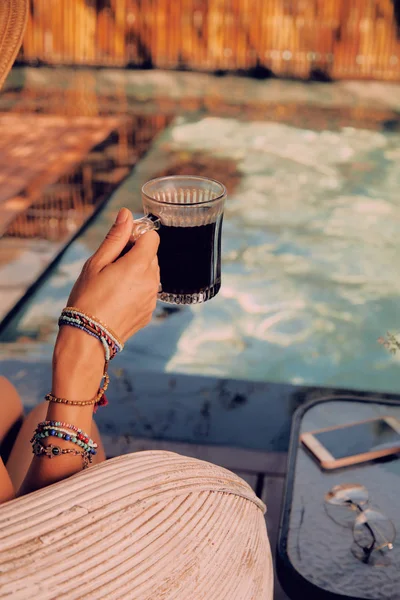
point(144, 224)
point(141, 226)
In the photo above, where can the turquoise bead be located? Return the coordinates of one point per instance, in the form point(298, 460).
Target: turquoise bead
point(46, 433)
point(74, 440)
point(59, 434)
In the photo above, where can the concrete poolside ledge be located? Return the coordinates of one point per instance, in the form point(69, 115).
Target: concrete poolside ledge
point(188, 409)
point(232, 88)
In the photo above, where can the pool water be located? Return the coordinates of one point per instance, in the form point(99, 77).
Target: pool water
point(310, 253)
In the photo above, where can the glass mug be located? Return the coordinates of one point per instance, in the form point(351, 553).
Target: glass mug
point(187, 212)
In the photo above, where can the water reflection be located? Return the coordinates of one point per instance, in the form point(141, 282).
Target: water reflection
point(309, 252)
point(61, 208)
point(63, 152)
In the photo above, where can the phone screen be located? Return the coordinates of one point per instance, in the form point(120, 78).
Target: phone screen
point(359, 438)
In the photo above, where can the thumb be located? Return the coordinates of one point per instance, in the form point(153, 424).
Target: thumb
point(115, 240)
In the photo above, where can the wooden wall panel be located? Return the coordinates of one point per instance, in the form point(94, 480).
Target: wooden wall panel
point(342, 39)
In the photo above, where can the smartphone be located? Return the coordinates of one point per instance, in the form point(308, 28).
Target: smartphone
point(353, 443)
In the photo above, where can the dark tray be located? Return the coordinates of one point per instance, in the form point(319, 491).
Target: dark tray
point(314, 560)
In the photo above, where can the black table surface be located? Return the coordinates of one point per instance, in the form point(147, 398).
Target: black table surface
point(313, 556)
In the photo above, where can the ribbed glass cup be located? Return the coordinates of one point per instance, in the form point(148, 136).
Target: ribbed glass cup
point(188, 211)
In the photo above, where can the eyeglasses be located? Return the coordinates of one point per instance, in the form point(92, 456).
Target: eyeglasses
point(373, 532)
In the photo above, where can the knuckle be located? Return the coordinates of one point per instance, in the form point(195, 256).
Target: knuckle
point(114, 235)
point(140, 267)
point(90, 265)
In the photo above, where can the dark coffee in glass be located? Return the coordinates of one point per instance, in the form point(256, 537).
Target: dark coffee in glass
point(188, 211)
point(190, 259)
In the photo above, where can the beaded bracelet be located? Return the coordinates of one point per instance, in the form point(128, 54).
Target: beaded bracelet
point(54, 431)
point(51, 398)
point(98, 323)
point(63, 424)
point(109, 347)
point(51, 431)
point(111, 343)
point(76, 318)
point(69, 433)
point(99, 399)
point(51, 451)
point(85, 447)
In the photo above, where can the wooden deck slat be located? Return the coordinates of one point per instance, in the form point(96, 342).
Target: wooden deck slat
point(235, 459)
point(250, 478)
point(272, 495)
point(35, 150)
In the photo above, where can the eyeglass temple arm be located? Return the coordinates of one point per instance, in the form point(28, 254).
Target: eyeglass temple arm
point(367, 525)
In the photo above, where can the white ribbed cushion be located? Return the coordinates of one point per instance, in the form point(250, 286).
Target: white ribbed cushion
point(150, 525)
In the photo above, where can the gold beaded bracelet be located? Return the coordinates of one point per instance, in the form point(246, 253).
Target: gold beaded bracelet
point(52, 398)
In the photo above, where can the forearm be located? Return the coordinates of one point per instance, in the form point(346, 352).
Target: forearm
point(78, 363)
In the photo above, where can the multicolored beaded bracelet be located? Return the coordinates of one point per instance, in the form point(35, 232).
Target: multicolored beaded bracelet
point(64, 434)
point(67, 435)
point(74, 434)
point(109, 348)
point(76, 318)
point(111, 343)
point(98, 323)
point(66, 431)
point(62, 424)
point(38, 438)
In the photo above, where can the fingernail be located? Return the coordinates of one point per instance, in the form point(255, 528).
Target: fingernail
point(122, 215)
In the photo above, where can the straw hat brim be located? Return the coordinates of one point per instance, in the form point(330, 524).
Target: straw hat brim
point(146, 526)
point(13, 19)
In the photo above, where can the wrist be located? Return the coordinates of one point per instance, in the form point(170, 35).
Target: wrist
point(78, 364)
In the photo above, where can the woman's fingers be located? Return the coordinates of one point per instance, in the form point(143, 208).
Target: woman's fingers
point(120, 290)
point(155, 270)
point(154, 265)
point(143, 252)
point(115, 240)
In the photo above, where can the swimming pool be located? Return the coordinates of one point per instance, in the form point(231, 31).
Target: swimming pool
point(310, 277)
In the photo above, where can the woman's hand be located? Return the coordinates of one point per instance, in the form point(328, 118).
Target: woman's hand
point(121, 292)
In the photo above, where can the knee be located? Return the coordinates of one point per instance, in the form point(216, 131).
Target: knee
point(37, 414)
point(9, 395)
point(11, 408)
